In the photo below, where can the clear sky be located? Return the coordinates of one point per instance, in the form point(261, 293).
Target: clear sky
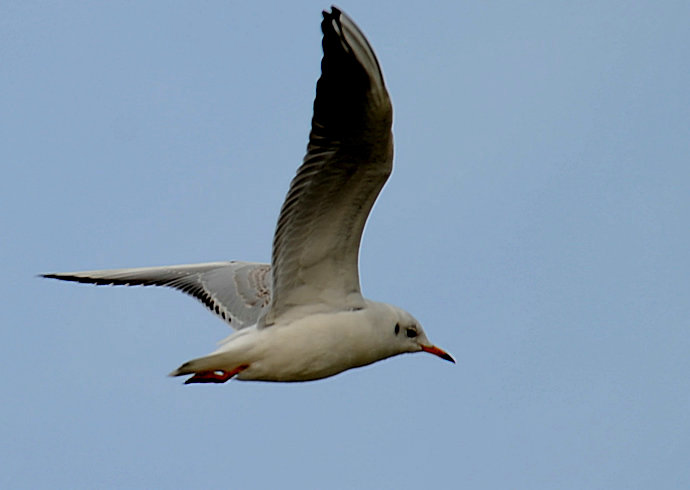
point(536, 223)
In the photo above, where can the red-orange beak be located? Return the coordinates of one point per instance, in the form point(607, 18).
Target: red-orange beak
point(432, 349)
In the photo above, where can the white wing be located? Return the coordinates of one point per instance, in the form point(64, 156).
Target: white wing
point(349, 158)
point(238, 292)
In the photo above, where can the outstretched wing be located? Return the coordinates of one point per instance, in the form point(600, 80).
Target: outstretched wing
point(349, 158)
point(238, 292)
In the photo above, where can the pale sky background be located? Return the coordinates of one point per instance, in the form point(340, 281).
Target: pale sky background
point(537, 223)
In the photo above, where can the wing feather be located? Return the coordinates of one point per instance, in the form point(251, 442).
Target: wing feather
point(349, 158)
point(238, 292)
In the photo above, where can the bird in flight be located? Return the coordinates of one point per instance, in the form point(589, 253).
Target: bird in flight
point(303, 317)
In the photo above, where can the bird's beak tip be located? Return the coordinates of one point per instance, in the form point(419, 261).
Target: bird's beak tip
point(432, 349)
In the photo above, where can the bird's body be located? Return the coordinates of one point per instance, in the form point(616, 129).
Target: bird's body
point(305, 348)
point(303, 316)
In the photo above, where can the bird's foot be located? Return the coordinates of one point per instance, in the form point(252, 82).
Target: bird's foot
point(217, 376)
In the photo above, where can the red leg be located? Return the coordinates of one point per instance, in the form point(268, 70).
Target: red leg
point(218, 376)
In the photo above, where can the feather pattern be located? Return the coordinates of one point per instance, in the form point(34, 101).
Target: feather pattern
point(238, 292)
point(349, 158)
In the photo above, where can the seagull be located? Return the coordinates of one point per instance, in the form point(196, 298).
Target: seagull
point(303, 317)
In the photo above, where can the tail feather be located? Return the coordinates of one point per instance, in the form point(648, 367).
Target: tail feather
point(200, 365)
point(183, 370)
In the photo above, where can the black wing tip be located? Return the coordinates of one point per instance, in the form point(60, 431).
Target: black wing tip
point(58, 276)
point(335, 12)
point(332, 21)
point(328, 19)
point(89, 280)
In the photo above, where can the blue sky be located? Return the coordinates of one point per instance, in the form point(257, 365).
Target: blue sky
point(536, 223)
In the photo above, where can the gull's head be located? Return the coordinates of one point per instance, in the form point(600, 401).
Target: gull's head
point(408, 335)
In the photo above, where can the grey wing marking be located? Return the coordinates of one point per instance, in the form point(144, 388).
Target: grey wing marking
point(238, 292)
point(349, 158)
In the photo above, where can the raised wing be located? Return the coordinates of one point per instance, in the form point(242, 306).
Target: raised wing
point(238, 292)
point(349, 158)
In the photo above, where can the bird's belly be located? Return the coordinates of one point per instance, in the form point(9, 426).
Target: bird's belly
point(307, 353)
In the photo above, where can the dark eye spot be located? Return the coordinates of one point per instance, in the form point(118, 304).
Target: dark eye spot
point(397, 328)
point(411, 332)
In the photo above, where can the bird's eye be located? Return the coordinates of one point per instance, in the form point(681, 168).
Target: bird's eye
point(411, 332)
point(397, 328)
